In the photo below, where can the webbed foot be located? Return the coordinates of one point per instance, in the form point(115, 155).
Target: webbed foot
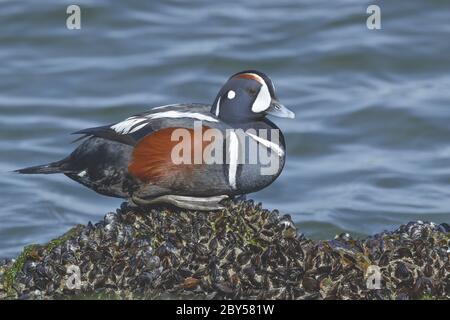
point(241, 197)
point(185, 202)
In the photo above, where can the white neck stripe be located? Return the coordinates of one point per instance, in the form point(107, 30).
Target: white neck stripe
point(218, 107)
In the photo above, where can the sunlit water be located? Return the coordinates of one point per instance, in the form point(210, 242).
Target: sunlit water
point(368, 151)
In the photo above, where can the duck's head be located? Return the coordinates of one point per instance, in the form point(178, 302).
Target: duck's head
point(247, 96)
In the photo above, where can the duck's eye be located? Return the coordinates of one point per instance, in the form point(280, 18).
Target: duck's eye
point(251, 91)
point(231, 94)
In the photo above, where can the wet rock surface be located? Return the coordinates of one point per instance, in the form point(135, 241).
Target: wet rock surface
point(241, 252)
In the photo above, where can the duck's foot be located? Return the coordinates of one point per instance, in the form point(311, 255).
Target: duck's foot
point(185, 202)
point(241, 197)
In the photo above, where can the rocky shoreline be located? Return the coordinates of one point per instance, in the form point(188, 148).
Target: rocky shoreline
point(241, 252)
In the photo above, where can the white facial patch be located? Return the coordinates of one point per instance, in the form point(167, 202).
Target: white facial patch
point(231, 94)
point(263, 99)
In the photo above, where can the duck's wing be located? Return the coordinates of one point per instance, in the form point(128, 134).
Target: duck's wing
point(134, 128)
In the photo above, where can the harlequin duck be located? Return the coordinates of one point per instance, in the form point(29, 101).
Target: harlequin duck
point(134, 158)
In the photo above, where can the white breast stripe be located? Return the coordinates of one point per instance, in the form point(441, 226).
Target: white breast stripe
point(233, 150)
point(126, 126)
point(268, 144)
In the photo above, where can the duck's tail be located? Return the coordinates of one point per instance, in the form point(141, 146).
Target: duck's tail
point(54, 167)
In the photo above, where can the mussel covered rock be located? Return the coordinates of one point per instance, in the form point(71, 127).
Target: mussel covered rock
point(240, 252)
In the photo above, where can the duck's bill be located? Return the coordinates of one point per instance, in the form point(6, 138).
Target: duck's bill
point(278, 110)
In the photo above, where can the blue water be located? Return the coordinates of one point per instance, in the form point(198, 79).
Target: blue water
point(368, 151)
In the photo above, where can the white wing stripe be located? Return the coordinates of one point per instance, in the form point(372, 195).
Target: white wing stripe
point(138, 127)
point(127, 126)
point(178, 114)
point(167, 106)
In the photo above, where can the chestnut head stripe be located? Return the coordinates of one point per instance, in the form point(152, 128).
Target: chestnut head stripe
point(251, 76)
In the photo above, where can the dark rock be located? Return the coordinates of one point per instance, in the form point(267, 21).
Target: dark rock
point(241, 252)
